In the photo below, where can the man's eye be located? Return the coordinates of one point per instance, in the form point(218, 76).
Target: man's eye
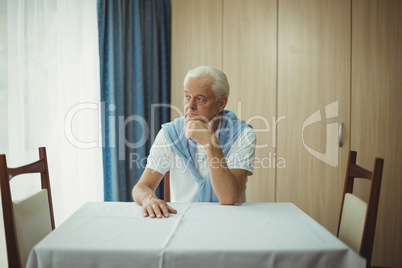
point(201, 99)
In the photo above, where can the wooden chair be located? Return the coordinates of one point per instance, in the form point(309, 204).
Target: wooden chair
point(167, 186)
point(358, 219)
point(26, 221)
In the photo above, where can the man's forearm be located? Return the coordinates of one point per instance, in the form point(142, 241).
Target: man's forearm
point(225, 184)
point(140, 192)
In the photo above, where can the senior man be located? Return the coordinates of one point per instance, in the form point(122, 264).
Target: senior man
point(209, 151)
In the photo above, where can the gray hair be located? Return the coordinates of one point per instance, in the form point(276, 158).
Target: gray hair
point(220, 86)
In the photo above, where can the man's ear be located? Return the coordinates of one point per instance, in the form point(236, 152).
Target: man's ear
point(222, 103)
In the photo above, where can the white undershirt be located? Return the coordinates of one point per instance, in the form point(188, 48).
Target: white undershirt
point(183, 185)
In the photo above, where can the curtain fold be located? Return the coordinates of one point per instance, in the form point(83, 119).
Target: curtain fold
point(134, 51)
point(52, 69)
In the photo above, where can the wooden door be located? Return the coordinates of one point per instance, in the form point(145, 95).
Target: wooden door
point(377, 115)
point(249, 61)
point(196, 40)
point(314, 95)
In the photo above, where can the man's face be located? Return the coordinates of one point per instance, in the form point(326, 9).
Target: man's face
point(200, 101)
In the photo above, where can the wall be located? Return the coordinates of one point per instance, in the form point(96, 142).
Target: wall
point(287, 59)
point(377, 114)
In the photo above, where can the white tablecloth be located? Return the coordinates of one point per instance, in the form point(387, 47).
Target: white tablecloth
point(200, 235)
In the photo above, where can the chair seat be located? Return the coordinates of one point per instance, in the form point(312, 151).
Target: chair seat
point(32, 221)
point(358, 219)
point(352, 224)
point(29, 220)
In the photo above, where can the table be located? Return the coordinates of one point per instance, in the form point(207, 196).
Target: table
point(115, 234)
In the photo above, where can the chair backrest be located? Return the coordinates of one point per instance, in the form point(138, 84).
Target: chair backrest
point(167, 186)
point(358, 219)
point(26, 221)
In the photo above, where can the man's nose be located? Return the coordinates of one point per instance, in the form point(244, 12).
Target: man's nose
point(192, 104)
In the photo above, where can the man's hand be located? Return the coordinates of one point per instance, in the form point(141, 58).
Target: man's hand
point(199, 131)
point(144, 195)
point(155, 207)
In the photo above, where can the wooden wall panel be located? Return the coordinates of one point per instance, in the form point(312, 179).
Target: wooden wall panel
point(196, 40)
point(377, 114)
point(249, 61)
point(313, 52)
point(313, 71)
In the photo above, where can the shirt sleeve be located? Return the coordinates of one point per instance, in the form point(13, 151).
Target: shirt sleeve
point(241, 155)
point(159, 155)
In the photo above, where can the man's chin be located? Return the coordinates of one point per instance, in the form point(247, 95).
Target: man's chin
point(190, 117)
